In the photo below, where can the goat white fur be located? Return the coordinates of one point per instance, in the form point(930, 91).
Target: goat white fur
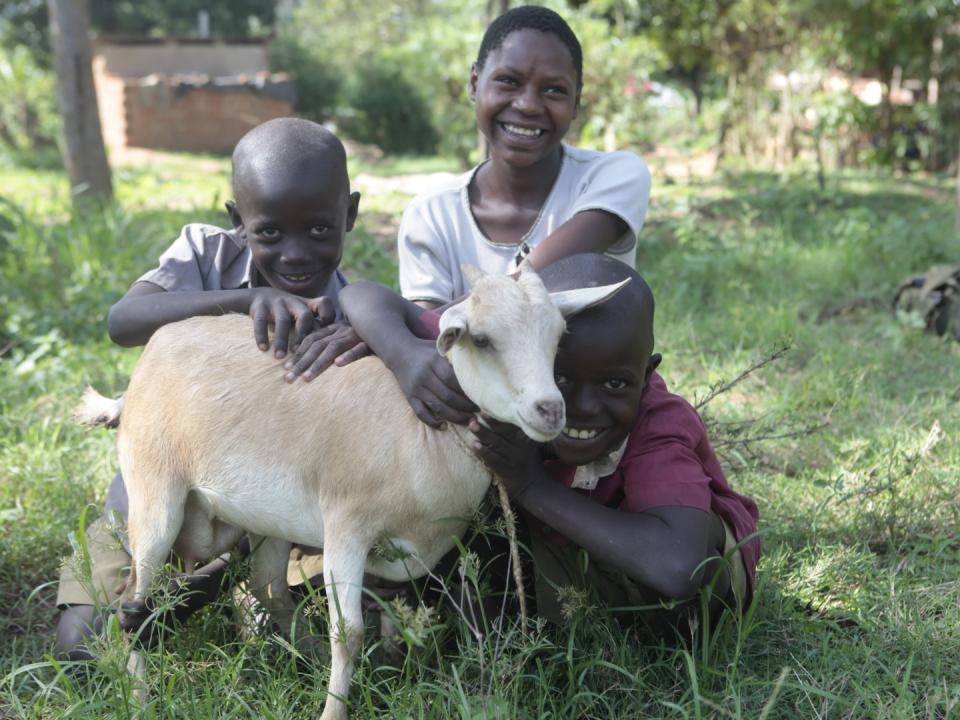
point(212, 442)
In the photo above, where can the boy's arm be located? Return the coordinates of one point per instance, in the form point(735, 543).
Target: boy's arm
point(146, 307)
point(386, 322)
point(662, 549)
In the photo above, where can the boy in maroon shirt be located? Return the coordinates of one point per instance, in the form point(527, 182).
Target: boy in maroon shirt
point(632, 481)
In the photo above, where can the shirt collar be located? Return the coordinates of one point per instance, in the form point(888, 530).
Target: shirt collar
point(587, 476)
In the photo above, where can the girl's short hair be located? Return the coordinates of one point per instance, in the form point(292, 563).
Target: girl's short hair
point(531, 17)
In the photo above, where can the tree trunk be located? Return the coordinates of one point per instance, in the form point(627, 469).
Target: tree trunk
point(933, 97)
point(483, 150)
point(86, 159)
point(956, 217)
point(886, 115)
point(728, 118)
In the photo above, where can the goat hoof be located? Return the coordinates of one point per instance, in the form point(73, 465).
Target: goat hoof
point(132, 614)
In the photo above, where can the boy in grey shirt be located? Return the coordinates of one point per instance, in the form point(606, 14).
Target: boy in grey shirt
point(291, 211)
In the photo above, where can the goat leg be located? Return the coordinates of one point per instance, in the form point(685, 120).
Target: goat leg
point(344, 555)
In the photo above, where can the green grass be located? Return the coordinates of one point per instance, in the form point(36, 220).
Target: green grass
point(858, 612)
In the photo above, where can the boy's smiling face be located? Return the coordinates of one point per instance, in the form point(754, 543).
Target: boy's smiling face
point(602, 367)
point(295, 223)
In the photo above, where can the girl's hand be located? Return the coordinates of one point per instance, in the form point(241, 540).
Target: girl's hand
point(336, 343)
point(284, 312)
point(512, 456)
point(432, 390)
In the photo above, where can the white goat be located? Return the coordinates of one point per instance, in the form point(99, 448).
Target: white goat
point(212, 440)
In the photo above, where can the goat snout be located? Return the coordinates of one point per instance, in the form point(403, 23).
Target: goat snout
point(551, 411)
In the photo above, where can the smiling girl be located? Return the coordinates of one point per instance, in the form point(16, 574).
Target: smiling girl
point(535, 196)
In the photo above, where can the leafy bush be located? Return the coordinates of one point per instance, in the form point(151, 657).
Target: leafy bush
point(28, 109)
point(318, 83)
point(387, 111)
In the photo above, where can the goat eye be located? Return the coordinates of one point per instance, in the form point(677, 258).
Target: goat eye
point(480, 341)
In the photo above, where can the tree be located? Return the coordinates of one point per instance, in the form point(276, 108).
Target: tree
point(886, 39)
point(686, 31)
point(179, 17)
point(86, 158)
point(956, 219)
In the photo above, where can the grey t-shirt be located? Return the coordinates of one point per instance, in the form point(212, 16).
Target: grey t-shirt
point(207, 257)
point(438, 234)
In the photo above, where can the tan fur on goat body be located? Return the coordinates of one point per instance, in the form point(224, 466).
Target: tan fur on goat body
point(211, 413)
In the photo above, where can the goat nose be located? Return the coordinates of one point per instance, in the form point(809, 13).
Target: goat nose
point(551, 411)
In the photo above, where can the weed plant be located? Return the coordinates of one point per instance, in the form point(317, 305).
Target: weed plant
point(857, 614)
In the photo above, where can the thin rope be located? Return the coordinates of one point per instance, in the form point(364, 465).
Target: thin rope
point(510, 520)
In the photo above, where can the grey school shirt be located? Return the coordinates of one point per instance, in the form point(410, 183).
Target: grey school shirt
point(205, 257)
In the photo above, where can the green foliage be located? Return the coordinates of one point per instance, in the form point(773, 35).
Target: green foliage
point(24, 22)
point(387, 111)
point(318, 82)
point(882, 34)
point(425, 47)
point(179, 17)
point(616, 68)
point(29, 123)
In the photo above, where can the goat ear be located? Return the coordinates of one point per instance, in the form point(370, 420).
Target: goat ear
point(453, 324)
point(471, 273)
point(570, 302)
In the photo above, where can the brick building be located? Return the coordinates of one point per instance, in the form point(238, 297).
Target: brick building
point(196, 95)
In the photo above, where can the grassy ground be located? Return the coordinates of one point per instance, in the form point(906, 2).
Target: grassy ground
point(858, 612)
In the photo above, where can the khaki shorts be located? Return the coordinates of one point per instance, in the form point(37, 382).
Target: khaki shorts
point(93, 582)
point(562, 569)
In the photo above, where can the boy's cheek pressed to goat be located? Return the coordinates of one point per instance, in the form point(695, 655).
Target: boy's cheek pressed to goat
point(341, 463)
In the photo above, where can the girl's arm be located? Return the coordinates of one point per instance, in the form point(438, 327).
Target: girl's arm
point(590, 231)
point(147, 307)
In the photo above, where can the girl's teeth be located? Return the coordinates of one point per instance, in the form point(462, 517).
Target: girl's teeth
point(580, 434)
point(528, 132)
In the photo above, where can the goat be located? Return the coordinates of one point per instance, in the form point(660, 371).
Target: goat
point(212, 443)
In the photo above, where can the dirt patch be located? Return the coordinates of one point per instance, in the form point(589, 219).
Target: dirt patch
point(409, 184)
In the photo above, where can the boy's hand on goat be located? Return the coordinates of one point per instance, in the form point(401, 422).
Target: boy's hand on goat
point(336, 343)
point(508, 453)
point(431, 388)
point(286, 312)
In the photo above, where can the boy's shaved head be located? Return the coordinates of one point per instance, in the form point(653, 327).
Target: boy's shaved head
point(279, 149)
point(629, 311)
point(605, 359)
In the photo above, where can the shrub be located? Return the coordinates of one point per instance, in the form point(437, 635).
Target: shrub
point(387, 111)
point(28, 109)
point(318, 84)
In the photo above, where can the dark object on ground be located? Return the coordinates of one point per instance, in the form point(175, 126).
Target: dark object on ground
point(848, 307)
point(931, 300)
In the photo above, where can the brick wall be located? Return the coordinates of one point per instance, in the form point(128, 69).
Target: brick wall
point(194, 96)
point(169, 116)
point(110, 92)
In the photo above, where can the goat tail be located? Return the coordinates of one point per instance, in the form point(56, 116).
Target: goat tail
point(95, 410)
